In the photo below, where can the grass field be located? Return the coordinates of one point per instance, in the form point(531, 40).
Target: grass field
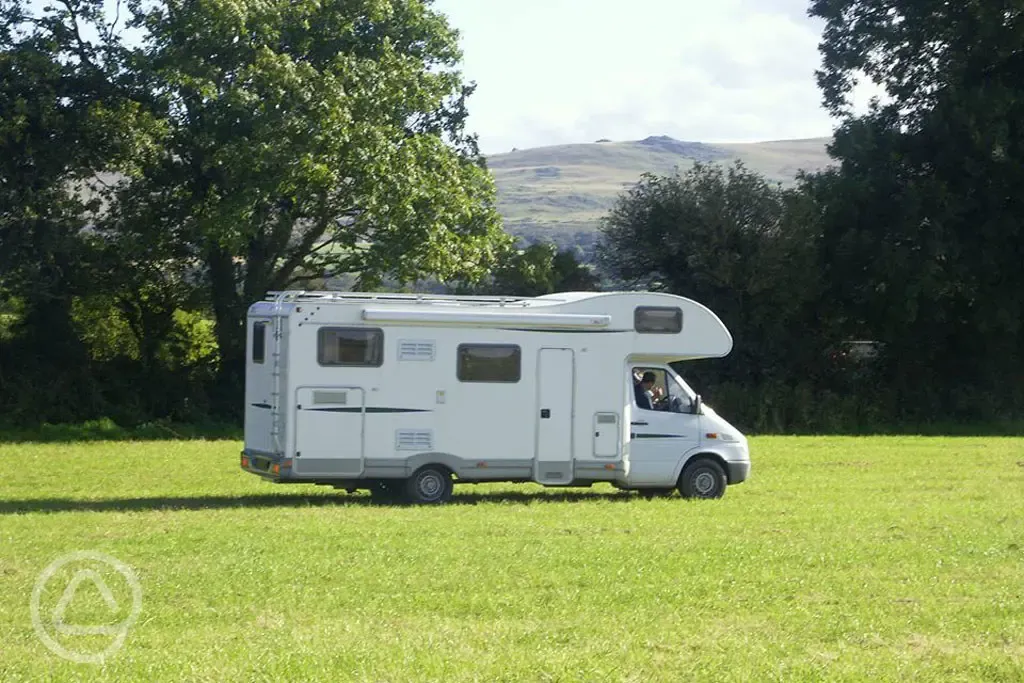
point(875, 558)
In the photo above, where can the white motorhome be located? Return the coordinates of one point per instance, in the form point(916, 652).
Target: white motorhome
point(407, 394)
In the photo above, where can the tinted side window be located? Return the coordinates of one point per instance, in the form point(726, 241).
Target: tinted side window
point(489, 363)
point(658, 320)
point(259, 342)
point(350, 346)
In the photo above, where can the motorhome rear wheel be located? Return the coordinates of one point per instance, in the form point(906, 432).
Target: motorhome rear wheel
point(429, 485)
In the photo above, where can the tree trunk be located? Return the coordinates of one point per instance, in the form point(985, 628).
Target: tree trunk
point(229, 325)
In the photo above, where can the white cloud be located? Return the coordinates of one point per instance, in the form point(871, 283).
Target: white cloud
point(564, 71)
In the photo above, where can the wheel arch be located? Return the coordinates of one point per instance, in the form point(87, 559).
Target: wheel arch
point(698, 455)
point(446, 461)
point(441, 465)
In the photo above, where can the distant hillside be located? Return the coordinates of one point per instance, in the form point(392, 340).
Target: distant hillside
point(561, 192)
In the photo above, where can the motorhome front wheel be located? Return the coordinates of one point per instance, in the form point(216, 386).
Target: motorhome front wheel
point(703, 479)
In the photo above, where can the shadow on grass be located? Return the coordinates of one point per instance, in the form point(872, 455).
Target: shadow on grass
point(13, 507)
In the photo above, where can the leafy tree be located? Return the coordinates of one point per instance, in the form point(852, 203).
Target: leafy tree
point(307, 138)
point(921, 220)
point(730, 240)
point(251, 145)
point(539, 269)
point(63, 117)
point(918, 51)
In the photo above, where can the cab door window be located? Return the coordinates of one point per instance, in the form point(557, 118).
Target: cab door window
point(661, 391)
point(649, 388)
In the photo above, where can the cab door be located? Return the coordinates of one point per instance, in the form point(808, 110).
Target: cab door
point(658, 439)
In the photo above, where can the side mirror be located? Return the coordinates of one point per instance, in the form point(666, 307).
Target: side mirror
point(698, 404)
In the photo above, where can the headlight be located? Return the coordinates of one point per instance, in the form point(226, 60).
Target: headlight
point(722, 436)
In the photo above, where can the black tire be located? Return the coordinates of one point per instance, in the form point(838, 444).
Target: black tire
point(703, 478)
point(656, 493)
point(431, 485)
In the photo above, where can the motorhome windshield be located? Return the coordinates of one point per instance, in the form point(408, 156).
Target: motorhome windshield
point(677, 387)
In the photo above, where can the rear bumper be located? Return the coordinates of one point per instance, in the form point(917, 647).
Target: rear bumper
point(272, 466)
point(737, 471)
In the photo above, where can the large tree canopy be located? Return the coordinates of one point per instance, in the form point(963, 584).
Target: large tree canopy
point(922, 229)
point(917, 49)
point(734, 242)
point(231, 148)
point(306, 138)
point(64, 116)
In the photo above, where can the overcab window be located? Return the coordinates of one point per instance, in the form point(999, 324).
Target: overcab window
point(658, 319)
point(489, 363)
point(350, 346)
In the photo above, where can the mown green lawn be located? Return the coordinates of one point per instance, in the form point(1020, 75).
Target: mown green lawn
point(878, 558)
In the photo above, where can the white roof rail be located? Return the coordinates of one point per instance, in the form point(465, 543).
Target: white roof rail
point(469, 300)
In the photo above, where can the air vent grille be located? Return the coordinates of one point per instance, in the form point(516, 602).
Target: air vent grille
point(414, 439)
point(413, 349)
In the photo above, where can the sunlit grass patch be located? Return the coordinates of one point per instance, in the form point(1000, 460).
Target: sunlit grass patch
point(882, 558)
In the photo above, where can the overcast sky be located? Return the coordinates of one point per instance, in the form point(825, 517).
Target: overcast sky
point(564, 71)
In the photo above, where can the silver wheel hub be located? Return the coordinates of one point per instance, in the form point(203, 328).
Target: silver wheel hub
point(704, 483)
point(430, 486)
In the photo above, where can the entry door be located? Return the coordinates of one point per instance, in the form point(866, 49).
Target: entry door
point(555, 391)
point(259, 387)
point(329, 431)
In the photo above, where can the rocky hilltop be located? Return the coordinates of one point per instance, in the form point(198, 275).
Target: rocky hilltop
point(561, 192)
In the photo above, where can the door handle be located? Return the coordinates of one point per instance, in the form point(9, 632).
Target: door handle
point(545, 413)
point(638, 424)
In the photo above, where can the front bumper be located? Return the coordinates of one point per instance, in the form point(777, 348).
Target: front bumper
point(737, 471)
